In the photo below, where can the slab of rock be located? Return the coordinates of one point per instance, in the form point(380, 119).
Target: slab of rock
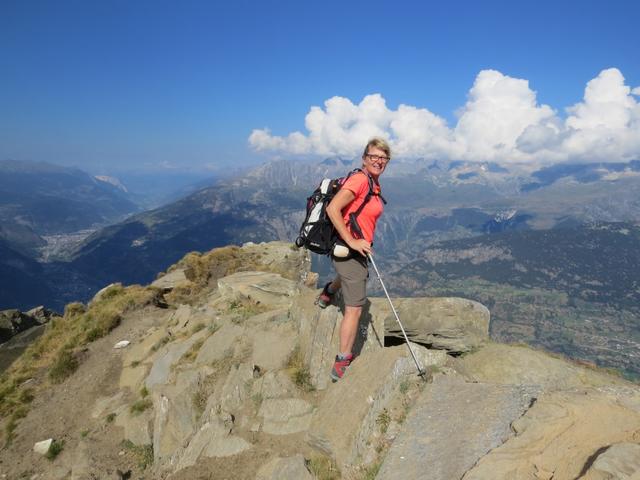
point(106, 405)
point(454, 324)
point(181, 318)
point(559, 436)
point(510, 364)
point(174, 423)
point(168, 357)
point(137, 427)
point(219, 345)
point(452, 425)
point(132, 377)
point(619, 461)
point(346, 417)
point(142, 350)
point(272, 346)
point(289, 468)
point(213, 439)
point(234, 391)
point(283, 416)
point(318, 334)
point(171, 280)
point(274, 385)
point(43, 446)
point(264, 288)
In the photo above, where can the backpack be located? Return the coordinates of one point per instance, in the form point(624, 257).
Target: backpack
point(317, 233)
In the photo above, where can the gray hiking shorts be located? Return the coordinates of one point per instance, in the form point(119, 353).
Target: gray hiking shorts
point(353, 273)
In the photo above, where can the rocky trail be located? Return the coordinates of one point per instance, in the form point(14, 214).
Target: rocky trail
point(227, 378)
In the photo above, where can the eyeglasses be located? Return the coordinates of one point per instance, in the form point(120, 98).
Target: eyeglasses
point(378, 158)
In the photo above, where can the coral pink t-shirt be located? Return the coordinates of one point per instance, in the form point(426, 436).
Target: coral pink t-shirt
point(359, 185)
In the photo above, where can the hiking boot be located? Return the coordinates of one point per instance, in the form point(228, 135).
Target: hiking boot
point(339, 367)
point(325, 298)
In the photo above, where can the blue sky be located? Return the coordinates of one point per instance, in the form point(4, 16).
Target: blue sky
point(120, 84)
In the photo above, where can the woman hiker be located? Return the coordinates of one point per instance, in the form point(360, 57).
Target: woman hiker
point(352, 270)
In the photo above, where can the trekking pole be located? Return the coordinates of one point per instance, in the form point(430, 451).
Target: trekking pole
point(421, 372)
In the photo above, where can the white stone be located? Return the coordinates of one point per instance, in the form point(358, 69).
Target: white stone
point(43, 447)
point(122, 344)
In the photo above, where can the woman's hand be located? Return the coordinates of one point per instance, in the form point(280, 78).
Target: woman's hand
point(361, 246)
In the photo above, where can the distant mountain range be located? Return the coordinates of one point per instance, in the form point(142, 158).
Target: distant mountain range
point(38, 199)
point(548, 237)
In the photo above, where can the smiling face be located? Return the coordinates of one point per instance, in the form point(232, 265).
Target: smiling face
point(374, 161)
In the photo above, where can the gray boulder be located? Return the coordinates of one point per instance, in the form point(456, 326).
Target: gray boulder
point(346, 417)
point(453, 324)
point(452, 426)
point(618, 462)
point(263, 288)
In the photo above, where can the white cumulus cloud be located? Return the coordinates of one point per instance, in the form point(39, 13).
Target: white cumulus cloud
point(501, 121)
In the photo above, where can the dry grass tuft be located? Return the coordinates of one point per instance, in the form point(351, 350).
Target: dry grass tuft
point(323, 468)
point(298, 371)
point(57, 351)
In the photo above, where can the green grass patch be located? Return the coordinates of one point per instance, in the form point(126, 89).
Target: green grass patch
point(55, 449)
point(143, 453)
point(383, 420)
point(323, 468)
point(240, 310)
point(140, 406)
point(298, 372)
point(64, 366)
point(192, 353)
point(161, 343)
point(197, 327)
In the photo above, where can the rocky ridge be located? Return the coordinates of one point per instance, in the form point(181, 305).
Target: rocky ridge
point(226, 376)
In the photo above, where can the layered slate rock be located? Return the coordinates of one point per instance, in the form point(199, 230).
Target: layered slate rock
point(175, 416)
point(454, 324)
point(318, 334)
point(262, 288)
point(283, 416)
point(562, 434)
point(511, 364)
point(619, 461)
point(215, 438)
point(346, 417)
point(453, 425)
point(167, 357)
point(137, 427)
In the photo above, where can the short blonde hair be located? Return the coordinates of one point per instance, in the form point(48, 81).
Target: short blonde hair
point(380, 143)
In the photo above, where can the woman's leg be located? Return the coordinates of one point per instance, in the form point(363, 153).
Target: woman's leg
point(349, 328)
